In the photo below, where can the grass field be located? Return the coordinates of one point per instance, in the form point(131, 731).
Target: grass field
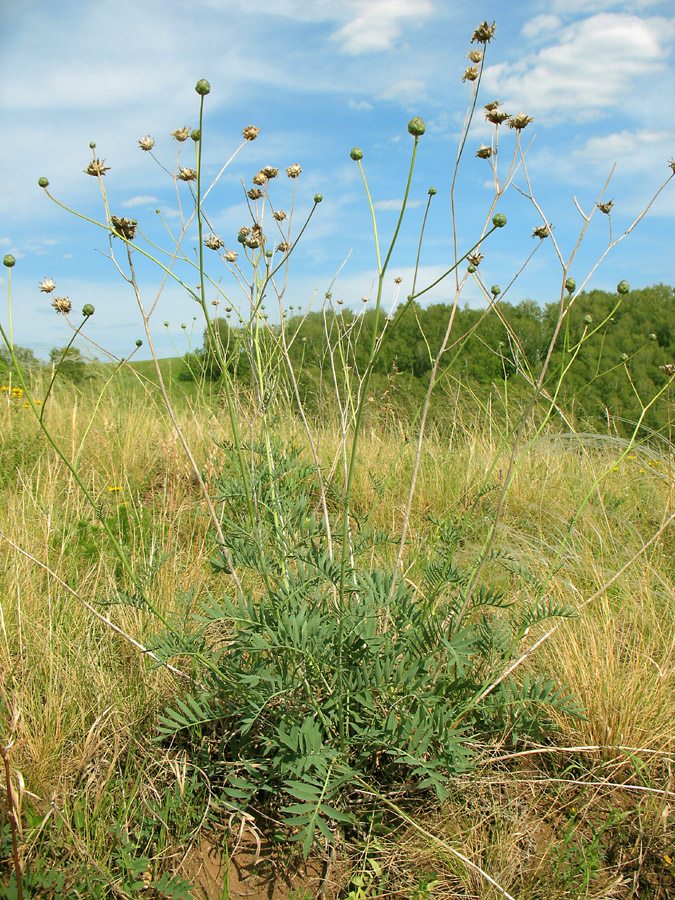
point(106, 808)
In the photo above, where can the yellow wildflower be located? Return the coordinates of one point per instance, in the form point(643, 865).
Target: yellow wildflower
point(115, 489)
point(17, 392)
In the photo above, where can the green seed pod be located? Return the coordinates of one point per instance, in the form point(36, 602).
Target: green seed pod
point(622, 287)
point(328, 295)
point(471, 268)
point(571, 285)
point(87, 310)
point(92, 144)
point(166, 324)
point(195, 134)
point(203, 87)
point(43, 182)
point(241, 238)
point(356, 153)
point(139, 343)
point(432, 191)
point(269, 254)
point(499, 220)
point(183, 325)
point(318, 198)
point(495, 289)
point(9, 261)
point(416, 126)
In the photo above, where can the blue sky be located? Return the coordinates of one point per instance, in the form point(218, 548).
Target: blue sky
point(318, 78)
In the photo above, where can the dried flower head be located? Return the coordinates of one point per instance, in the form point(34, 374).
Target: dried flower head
point(283, 247)
point(475, 56)
point(671, 164)
point(493, 104)
point(669, 369)
point(541, 231)
point(270, 171)
point(606, 208)
point(293, 171)
point(244, 231)
point(259, 178)
point(47, 285)
point(253, 242)
point(497, 116)
point(250, 132)
point(484, 33)
point(398, 279)
point(230, 256)
point(96, 167)
point(62, 305)
point(255, 193)
point(213, 242)
point(279, 215)
point(185, 174)
point(124, 227)
point(476, 258)
point(146, 143)
point(520, 121)
point(470, 73)
point(484, 152)
point(181, 134)
point(257, 230)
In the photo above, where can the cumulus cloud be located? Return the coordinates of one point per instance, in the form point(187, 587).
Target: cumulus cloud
point(140, 200)
point(378, 23)
point(593, 65)
point(541, 25)
point(632, 150)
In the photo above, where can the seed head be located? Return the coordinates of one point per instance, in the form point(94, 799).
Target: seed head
point(185, 174)
point(213, 242)
point(606, 208)
point(588, 318)
point(146, 143)
point(283, 247)
point(470, 73)
point(484, 33)
point(257, 230)
point(125, 227)
point(230, 256)
point(47, 286)
point(255, 193)
point(270, 172)
point(293, 171)
point(671, 164)
point(669, 369)
point(259, 178)
point(497, 116)
point(493, 104)
point(398, 279)
point(62, 305)
point(520, 121)
point(279, 215)
point(652, 337)
point(252, 242)
point(475, 56)
point(476, 258)
point(484, 152)
point(96, 167)
point(244, 231)
point(181, 134)
point(250, 132)
point(541, 231)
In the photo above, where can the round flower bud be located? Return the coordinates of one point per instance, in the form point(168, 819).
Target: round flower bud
point(471, 268)
point(328, 295)
point(92, 144)
point(9, 261)
point(495, 289)
point(241, 238)
point(499, 220)
point(431, 191)
point(166, 324)
point(195, 134)
point(416, 126)
point(318, 198)
point(203, 87)
point(87, 310)
point(624, 357)
point(571, 285)
point(43, 182)
point(652, 337)
point(588, 318)
point(622, 287)
point(139, 343)
point(356, 153)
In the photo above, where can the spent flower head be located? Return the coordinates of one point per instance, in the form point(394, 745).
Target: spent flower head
point(470, 73)
point(250, 133)
point(668, 368)
point(255, 193)
point(484, 33)
point(671, 164)
point(270, 171)
point(475, 56)
point(213, 242)
point(124, 227)
point(185, 174)
point(279, 215)
point(47, 285)
point(181, 134)
point(520, 121)
point(96, 167)
point(484, 152)
point(230, 256)
point(497, 116)
point(293, 171)
point(62, 305)
point(476, 258)
point(146, 143)
point(605, 208)
point(283, 247)
point(259, 178)
point(541, 231)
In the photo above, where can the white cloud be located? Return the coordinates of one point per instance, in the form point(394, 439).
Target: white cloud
point(541, 25)
point(405, 90)
point(396, 204)
point(140, 200)
point(596, 63)
point(378, 24)
point(360, 104)
point(631, 150)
